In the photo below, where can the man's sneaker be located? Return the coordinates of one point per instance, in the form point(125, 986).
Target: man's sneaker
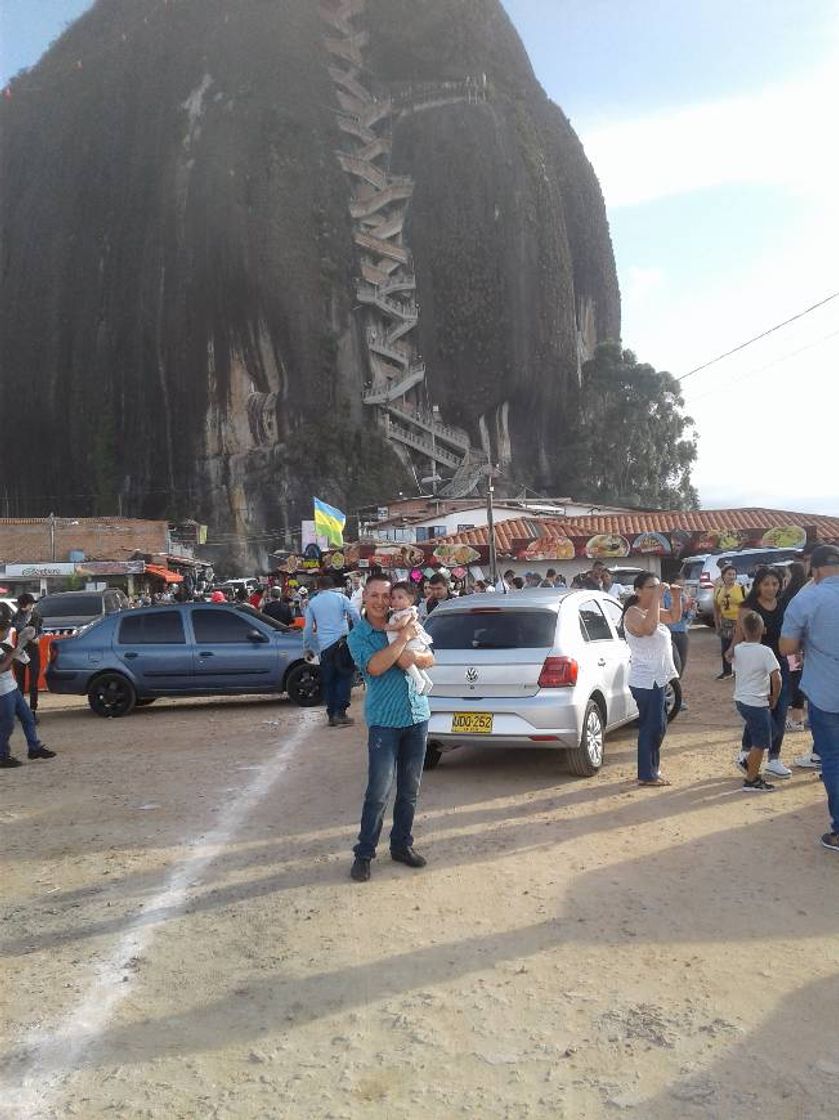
point(360, 870)
point(793, 725)
point(342, 721)
point(41, 752)
point(9, 763)
point(757, 786)
point(777, 769)
point(742, 762)
point(409, 857)
point(830, 841)
point(723, 676)
point(684, 707)
point(809, 761)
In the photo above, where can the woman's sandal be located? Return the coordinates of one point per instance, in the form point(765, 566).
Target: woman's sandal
point(655, 782)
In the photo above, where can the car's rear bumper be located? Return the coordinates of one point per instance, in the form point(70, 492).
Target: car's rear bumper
point(71, 682)
point(509, 729)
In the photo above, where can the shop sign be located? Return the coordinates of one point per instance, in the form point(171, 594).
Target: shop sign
point(39, 571)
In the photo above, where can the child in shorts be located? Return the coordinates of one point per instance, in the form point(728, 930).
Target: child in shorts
point(757, 687)
point(402, 612)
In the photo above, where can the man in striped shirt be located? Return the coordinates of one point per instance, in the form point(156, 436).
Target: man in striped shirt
point(397, 721)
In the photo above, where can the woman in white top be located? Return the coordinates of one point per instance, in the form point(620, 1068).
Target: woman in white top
point(651, 667)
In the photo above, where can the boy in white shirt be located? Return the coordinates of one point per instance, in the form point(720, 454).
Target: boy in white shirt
point(756, 691)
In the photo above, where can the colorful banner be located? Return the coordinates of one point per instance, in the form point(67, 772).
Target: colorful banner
point(677, 543)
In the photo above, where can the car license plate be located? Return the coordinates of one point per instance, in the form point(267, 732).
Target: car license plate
point(472, 723)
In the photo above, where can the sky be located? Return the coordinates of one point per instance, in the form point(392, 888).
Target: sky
point(709, 124)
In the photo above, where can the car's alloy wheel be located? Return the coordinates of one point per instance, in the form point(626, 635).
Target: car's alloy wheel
point(587, 759)
point(112, 696)
point(303, 685)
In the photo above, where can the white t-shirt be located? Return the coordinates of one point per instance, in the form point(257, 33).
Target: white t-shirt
point(7, 680)
point(753, 664)
point(651, 662)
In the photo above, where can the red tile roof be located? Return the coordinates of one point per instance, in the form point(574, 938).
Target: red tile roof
point(628, 524)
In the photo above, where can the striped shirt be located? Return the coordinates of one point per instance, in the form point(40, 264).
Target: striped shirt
point(392, 699)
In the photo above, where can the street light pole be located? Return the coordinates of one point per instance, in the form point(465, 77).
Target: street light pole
point(493, 563)
point(52, 536)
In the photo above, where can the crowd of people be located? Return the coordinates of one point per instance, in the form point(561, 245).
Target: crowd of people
point(779, 640)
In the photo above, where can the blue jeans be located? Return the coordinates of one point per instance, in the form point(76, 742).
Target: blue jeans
point(13, 705)
point(758, 723)
point(7, 720)
point(779, 717)
point(392, 752)
point(27, 721)
point(825, 728)
point(336, 682)
point(652, 727)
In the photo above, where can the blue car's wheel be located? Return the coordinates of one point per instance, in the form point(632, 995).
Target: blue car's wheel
point(303, 685)
point(112, 695)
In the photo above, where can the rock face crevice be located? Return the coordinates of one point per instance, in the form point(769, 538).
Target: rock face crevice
point(181, 265)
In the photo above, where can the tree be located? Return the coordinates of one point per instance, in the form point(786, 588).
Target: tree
point(629, 442)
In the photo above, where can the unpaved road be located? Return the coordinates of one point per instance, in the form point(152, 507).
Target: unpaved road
point(181, 939)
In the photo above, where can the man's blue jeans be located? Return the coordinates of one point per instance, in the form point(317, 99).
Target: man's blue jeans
point(13, 705)
point(825, 728)
point(336, 682)
point(27, 720)
point(7, 720)
point(393, 752)
point(652, 726)
point(779, 717)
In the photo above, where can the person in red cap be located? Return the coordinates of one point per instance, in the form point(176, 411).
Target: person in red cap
point(218, 597)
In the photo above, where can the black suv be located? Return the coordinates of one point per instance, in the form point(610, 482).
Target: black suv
point(66, 612)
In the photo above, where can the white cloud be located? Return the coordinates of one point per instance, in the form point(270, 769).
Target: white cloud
point(766, 416)
point(781, 135)
point(640, 285)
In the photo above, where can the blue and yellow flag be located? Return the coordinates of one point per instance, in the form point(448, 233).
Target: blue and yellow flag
point(329, 522)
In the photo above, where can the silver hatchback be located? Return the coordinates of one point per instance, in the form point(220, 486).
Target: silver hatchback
point(536, 668)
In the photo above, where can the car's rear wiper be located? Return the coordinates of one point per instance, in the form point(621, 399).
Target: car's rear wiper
point(492, 645)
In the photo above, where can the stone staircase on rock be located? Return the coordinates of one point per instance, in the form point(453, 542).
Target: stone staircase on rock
point(387, 285)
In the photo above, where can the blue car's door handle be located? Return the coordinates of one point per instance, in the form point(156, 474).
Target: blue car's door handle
point(129, 656)
point(205, 653)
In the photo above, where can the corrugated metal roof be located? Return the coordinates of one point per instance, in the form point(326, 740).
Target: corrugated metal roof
point(629, 524)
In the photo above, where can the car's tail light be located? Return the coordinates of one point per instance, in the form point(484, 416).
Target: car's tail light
point(705, 580)
point(559, 672)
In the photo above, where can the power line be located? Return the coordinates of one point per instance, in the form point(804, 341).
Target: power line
point(757, 337)
point(760, 369)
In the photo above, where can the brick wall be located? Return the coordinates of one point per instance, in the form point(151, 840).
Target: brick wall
point(100, 538)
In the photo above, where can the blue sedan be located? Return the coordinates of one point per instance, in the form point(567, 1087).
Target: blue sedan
point(131, 658)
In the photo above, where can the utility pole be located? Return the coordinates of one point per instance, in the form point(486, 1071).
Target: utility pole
point(493, 563)
point(52, 536)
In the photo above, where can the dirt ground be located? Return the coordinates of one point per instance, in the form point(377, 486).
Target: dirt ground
point(180, 938)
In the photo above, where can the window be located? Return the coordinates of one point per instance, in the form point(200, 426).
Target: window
point(593, 622)
point(613, 611)
point(69, 605)
point(493, 628)
point(215, 624)
point(692, 571)
point(155, 628)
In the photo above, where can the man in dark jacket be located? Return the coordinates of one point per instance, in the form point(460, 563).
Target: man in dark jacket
point(27, 615)
point(278, 610)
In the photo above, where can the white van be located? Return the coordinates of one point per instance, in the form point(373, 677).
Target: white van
point(701, 573)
